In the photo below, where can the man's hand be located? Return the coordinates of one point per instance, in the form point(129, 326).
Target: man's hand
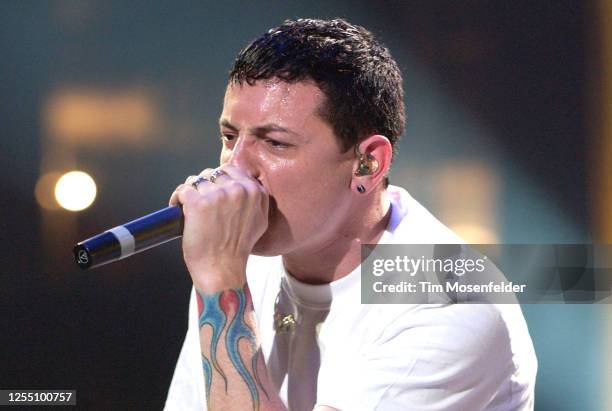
point(225, 214)
point(223, 221)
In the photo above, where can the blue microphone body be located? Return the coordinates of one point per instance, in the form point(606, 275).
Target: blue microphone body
point(130, 238)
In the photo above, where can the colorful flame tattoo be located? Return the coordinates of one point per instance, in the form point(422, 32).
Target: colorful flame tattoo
point(207, 375)
point(212, 315)
point(215, 309)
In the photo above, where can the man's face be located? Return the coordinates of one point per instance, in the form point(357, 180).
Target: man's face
point(272, 131)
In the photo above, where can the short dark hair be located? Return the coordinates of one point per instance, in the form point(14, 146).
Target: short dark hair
point(361, 81)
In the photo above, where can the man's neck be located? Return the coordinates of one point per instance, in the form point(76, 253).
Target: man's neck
point(340, 255)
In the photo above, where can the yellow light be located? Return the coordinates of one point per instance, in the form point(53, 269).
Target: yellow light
point(75, 191)
point(92, 117)
point(475, 234)
point(45, 191)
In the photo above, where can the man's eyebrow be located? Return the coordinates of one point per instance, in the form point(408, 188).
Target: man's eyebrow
point(270, 127)
point(263, 129)
point(226, 123)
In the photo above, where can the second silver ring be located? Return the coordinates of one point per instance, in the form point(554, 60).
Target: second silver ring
point(198, 181)
point(216, 174)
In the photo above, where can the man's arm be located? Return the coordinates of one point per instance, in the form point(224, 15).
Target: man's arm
point(222, 223)
point(235, 374)
point(223, 220)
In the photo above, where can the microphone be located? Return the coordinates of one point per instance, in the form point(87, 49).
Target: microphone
point(130, 238)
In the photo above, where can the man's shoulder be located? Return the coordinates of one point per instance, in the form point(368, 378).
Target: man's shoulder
point(412, 223)
point(469, 326)
point(414, 350)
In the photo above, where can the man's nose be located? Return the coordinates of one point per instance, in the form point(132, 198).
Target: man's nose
point(242, 156)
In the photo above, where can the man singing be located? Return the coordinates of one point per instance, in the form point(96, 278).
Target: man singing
point(312, 115)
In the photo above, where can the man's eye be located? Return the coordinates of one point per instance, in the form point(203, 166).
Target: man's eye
point(275, 143)
point(227, 137)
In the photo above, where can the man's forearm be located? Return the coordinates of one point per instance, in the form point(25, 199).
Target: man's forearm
point(234, 370)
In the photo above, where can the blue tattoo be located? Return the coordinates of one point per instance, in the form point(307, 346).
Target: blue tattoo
point(211, 314)
point(236, 331)
point(207, 376)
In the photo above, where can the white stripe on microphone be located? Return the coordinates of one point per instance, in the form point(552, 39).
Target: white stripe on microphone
point(126, 240)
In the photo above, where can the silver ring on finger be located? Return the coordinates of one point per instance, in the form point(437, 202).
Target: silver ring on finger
point(216, 174)
point(198, 181)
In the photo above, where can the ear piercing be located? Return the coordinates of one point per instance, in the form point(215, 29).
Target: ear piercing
point(367, 165)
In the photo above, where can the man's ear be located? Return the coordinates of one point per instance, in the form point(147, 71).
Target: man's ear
point(373, 160)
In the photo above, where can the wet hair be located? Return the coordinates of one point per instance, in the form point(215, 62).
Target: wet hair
point(360, 80)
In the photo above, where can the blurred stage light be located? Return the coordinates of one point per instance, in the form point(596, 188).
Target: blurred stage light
point(95, 117)
point(75, 191)
point(475, 234)
point(467, 201)
point(45, 191)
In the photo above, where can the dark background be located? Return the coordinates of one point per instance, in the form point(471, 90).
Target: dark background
point(504, 87)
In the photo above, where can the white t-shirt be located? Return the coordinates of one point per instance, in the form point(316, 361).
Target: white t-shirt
point(377, 357)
